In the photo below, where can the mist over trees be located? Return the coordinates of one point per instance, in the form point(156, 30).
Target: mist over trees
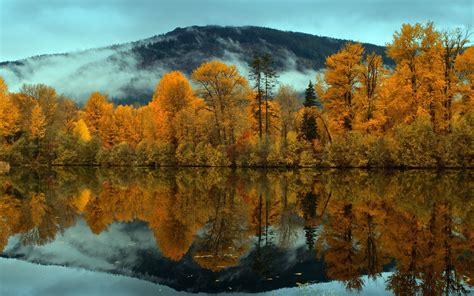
point(416, 113)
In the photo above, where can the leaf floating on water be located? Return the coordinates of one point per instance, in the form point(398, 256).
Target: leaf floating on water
point(203, 256)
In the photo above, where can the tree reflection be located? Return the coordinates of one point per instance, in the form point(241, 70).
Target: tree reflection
point(359, 222)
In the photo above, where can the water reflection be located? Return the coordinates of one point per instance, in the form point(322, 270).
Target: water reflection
point(260, 229)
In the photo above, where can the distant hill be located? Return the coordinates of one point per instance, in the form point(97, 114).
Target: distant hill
point(128, 72)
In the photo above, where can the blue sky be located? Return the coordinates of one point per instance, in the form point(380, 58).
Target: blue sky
point(32, 27)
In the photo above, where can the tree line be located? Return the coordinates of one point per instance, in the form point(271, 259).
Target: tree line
point(358, 112)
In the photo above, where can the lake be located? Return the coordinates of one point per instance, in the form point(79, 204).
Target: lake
point(216, 230)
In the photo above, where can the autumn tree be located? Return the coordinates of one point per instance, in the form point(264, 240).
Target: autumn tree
point(125, 120)
point(464, 69)
point(371, 73)
point(95, 109)
point(453, 43)
point(341, 78)
point(173, 95)
point(37, 128)
point(24, 104)
point(46, 97)
point(417, 85)
point(9, 113)
point(38, 123)
point(287, 98)
point(82, 131)
point(226, 93)
point(67, 114)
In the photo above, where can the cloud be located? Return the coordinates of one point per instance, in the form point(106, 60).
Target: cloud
point(77, 75)
point(79, 247)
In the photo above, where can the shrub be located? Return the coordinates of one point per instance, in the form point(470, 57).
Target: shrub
point(349, 150)
point(381, 153)
point(415, 144)
point(4, 167)
point(119, 155)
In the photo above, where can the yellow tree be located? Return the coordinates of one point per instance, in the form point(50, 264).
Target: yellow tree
point(453, 44)
point(9, 113)
point(371, 72)
point(38, 123)
point(191, 123)
point(173, 94)
point(226, 92)
point(126, 124)
point(37, 128)
point(95, 109)
point(82, 131)
point(24, 104)
point(464, 68)
point(287, 98)
point(108, 131)
point(46, 97)
point(418, 81)
point(68, 111)
point(341, 78)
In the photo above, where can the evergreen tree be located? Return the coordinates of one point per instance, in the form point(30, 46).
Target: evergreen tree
point(269, 76)
point(256, 69)
point(309, 206)
point(310, 96)
point(309, 127)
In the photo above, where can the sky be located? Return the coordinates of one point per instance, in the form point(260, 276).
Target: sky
point(33, 27)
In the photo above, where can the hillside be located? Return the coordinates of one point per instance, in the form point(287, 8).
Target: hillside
point(128, 72)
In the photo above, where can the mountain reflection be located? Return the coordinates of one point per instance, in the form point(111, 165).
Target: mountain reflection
point(416, 224)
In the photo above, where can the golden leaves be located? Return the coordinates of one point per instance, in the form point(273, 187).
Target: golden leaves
point(38, 123)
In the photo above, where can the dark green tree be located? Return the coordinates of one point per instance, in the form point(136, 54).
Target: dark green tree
point(256, 69)
point(264, 76)
point(310, 96)
point(309, 204)
point(309, 126)
point(270, 80)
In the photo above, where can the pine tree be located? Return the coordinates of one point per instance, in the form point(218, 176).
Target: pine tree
point(256, 69)
point(269, 78)
point(309, 127)
point(310, 96)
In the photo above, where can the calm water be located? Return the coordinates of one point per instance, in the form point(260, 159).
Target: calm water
point(222, 230)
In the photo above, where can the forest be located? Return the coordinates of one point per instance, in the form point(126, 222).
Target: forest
point(358, 112)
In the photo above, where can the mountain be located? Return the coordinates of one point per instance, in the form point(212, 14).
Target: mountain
point(128, 72)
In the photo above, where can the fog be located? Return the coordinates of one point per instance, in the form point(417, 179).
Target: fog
point(76, 75)
point(118, 71)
